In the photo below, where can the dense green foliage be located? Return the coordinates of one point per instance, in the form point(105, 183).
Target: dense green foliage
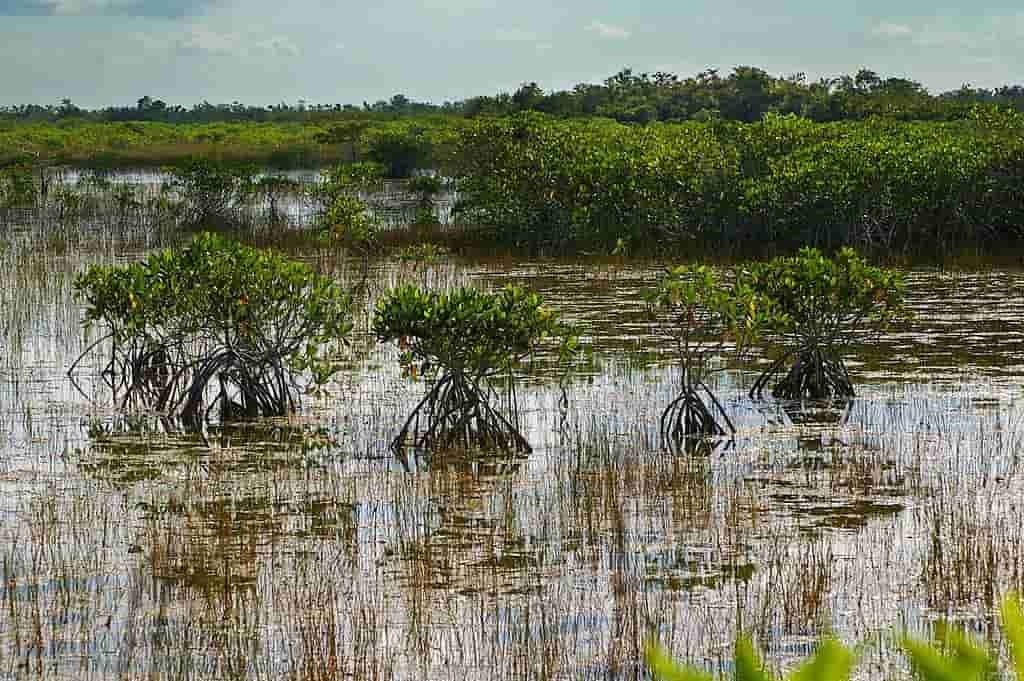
point(822, 306)
point(466, 329)
point(470, 338)
point(705, 318)
point(252, 320)
point(400, 148)
point(745, 94)
point(784, 180)
point(952, 657)
point(878, 183)
point(77, 141)
point(282, 144)
point(538, 179)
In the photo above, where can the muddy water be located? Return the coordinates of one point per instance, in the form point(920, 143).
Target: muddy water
point(303, 549)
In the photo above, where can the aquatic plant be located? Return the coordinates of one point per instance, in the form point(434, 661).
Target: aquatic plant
point(705, 318)
point(344, 219)
point(784, 180)
point(273, 189)
point(824, 305)
point(400, 147)
point(953, 656)
point(474, 341)
point(422, 255)
point(214, 325)
point(832, 661)
point(17, 186)
point(212, 193)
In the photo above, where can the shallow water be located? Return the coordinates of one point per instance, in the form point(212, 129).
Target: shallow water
point(304, 549)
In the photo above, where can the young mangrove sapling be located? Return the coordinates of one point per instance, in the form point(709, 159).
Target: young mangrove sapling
point(825, 305)
point(469, 342)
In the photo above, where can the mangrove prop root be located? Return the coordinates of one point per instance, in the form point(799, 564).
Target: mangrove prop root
point(166, 378)
point(457, 412)
point(815, 375)
point(688, 417)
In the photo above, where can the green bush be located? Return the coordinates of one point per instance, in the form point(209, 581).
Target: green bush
point(215, 325)
point(823, 306)
point(705, 319)
point(474, 340)
point(400, 147)
point(880, 184)
point(422, 255)
point(213, 193)
point(272, 190)
point(17, 186)
point(831, 662)
point(345, 218)
point(542, 181)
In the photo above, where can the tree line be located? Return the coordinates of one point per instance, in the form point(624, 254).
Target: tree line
point(746, 94)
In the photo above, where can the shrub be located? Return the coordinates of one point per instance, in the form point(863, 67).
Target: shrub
point(17, 186)
point(474, 340)
point(824, 305)
point(954, 656)
point(426, 185)
point(272, 190)
point(211, 192)
point(542, 181)
point(345, 218)
point(422, 255)
point(215, 324)
point(705, 319)
point(400, 147)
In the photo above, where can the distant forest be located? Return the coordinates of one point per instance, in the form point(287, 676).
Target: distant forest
point(746, 94)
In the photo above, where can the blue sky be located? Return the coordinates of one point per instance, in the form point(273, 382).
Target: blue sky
point(102, 52)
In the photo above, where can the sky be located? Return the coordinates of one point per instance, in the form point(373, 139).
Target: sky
point(112, 52)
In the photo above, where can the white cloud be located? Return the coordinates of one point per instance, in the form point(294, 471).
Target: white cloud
point(278, 46)
point(890, 30)
point(934, 37)
point(608, 30)
point(935, 34)
point(202, 41)
point(206, 42)
point(73, 7)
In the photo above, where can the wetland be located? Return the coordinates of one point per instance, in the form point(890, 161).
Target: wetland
point(302, 547)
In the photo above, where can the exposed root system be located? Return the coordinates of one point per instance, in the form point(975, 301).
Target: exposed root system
point(816, 374)
point(168, 380)
point(688, 417)
point(457, 412)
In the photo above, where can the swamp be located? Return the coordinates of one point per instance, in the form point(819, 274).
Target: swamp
point(306, 546)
